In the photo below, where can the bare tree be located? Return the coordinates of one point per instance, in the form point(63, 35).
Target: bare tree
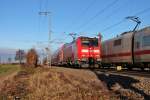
point(20, 55)
point(32, 58)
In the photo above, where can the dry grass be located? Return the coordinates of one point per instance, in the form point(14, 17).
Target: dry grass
point(55, 84)
point(7, 72)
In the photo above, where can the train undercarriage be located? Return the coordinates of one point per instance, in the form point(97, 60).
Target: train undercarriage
point(128, 66)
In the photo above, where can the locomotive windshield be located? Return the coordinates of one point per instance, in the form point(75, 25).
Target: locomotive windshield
point(89, 42)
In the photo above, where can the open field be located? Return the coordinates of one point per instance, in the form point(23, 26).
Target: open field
point(8, 69)
point(7, 72)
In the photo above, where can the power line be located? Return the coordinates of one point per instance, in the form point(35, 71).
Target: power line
point(109, 15)
point(100, 12)
point(80, 16)
point(82, 13)
point(113, 25)
point(106, 17)
point(120, 22)
point(142, 12)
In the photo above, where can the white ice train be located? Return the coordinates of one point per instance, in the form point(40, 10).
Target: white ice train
point(128, 50)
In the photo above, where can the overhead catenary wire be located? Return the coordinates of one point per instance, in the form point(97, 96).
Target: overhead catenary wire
point(80, 16)
point(113, 25)
point(55, 40)
point(121, 21)
point(108, 16)
point(65, 35)
point(142, 12)
point(98, 13)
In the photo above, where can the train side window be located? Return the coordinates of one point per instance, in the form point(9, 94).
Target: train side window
point(137, 45)
point(146, 40)
point(117, 42)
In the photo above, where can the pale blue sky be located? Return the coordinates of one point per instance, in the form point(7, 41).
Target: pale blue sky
point(22, 27)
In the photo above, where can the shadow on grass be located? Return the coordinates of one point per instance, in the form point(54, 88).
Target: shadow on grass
point(124, 81)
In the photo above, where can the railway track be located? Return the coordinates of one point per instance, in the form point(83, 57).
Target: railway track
point(123, 72)
point(139, 73)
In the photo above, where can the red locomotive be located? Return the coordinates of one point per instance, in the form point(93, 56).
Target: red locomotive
point(83, 51)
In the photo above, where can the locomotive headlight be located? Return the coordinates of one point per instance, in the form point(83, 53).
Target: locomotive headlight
point(84, 50)
point(98, 59)
point(97, 51)
point(83, 55)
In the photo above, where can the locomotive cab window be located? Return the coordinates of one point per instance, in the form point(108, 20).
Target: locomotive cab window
point(146, 40)
point(117, 42)
point(94, 42)
point(89, 42)
point(85, 42)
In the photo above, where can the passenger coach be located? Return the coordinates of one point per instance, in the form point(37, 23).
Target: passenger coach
point(128, 50)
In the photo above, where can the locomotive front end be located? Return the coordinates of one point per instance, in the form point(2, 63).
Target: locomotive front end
point(89, 51)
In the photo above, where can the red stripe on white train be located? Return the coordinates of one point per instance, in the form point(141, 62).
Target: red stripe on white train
point(141, 52)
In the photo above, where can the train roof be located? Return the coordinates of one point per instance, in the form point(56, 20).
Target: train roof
point(119, 36)
point(87, 37)
point(128, 33)
point(80, 37)
point(145, 29)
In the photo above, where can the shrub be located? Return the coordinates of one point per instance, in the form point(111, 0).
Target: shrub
point(32, 58)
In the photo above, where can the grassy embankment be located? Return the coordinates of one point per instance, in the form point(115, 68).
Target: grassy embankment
point(56, 83)
point(8, 69)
